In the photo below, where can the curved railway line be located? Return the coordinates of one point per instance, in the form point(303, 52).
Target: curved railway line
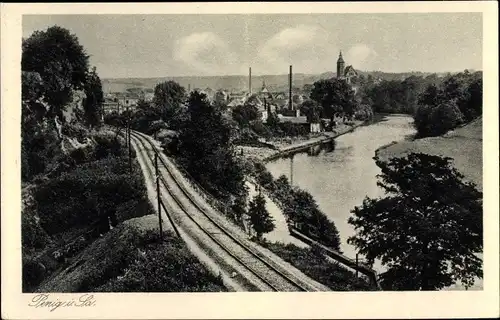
point(256, 270)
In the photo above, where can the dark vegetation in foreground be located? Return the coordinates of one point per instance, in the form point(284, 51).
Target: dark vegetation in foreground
point(78, 193)
point(133, 259)
point(299, 207)
point(428, 229)
point(313, 263)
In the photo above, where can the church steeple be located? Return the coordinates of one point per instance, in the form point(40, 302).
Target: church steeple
point(340, 66)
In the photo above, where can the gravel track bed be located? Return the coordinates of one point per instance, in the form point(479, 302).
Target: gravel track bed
point(283, 267)
point(244, 277)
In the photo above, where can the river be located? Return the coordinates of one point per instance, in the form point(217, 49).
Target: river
point(341, 178)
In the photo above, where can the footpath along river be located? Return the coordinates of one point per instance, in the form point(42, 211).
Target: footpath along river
point(340, 179)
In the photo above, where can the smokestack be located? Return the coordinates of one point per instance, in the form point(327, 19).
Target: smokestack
point(290, 102)
point(250, 80)
point(189, 87)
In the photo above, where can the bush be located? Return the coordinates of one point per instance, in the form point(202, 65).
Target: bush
point(445, 117)
point(87, 193)
point(107, 145)
point(264, 177)
point(457, 100)
point(75, 130)
point(33, 235)
point(33, 274)
point(313, 263)
point(166, 266)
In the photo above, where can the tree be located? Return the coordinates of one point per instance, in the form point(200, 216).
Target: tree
point(335, 96)
point(311, 110)
point(473, 104)
point(431, 96)
point(206, 148)
point(260, 219)
point(220, 98)
point(94, 98)
point(169, 98)
point(445, 117)
point(273, 122)
point(244, 114)
point(60, 60)
point(427, 230)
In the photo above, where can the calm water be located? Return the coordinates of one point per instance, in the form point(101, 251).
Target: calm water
point(340, 179)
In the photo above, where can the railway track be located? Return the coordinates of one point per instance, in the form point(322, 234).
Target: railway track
point(253, 269)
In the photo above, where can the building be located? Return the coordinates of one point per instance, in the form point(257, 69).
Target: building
point(128, 100)
point(110, 105)
point(314, 127)
point(343, 72)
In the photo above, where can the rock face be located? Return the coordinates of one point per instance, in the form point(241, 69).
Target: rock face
point(74, 111)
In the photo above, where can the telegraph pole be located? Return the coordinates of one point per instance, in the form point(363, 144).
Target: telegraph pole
point(127, 137)
point(158, 194)
point(291, 170)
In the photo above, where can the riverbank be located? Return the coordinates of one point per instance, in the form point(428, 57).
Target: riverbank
point(283, 146)
point(463, 144)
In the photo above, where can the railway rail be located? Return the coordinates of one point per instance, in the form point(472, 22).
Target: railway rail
point(256, 268)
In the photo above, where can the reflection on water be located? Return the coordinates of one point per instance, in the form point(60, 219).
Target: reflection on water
point(342, 174)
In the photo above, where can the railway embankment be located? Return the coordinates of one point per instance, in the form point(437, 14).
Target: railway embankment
point(228, 246)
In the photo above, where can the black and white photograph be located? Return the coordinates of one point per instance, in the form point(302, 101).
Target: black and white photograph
point(247, 152)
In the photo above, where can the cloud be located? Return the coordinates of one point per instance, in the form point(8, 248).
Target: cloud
point(360, 56)
point(303, 45)
point(205, 52)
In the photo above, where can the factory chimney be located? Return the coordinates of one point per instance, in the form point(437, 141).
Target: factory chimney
point(290, 102)
point(250, 80)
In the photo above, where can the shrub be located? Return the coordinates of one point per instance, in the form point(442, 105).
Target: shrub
point(166, 266)
point(313, 263)
point(107, 145)
point(33, 274)
point(87, 193)
point(445, 117)
point(264, 177)
point(33, 235)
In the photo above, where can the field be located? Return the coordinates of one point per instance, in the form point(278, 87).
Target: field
point(464, 145)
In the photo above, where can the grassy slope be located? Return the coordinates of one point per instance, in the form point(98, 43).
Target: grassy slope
point(464, 145)
point(94, 264)
point(129, 258)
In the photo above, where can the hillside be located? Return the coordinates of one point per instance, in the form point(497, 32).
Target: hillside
point(464, 145)
point(238, 82)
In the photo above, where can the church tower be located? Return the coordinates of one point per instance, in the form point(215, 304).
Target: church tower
point(340, 66)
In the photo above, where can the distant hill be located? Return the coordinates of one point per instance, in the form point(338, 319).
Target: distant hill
point(239, 82)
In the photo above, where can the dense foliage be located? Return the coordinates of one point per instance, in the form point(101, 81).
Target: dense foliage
point(336, 98)
point(94, 98)
point(60, 60)
point(299, 207)
point(88, 193)
point(427, 231)
point(163, 266)
point(206, 150)
point(313, 263)
point(438, 104)
point(394, 96)
point(457, 100)
point(54, 66)
point(169, 98)
point(245, 114)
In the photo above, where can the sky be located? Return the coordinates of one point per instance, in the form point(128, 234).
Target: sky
point(140, 46)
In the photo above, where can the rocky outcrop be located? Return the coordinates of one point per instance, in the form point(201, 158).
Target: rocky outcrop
point(74, 111)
